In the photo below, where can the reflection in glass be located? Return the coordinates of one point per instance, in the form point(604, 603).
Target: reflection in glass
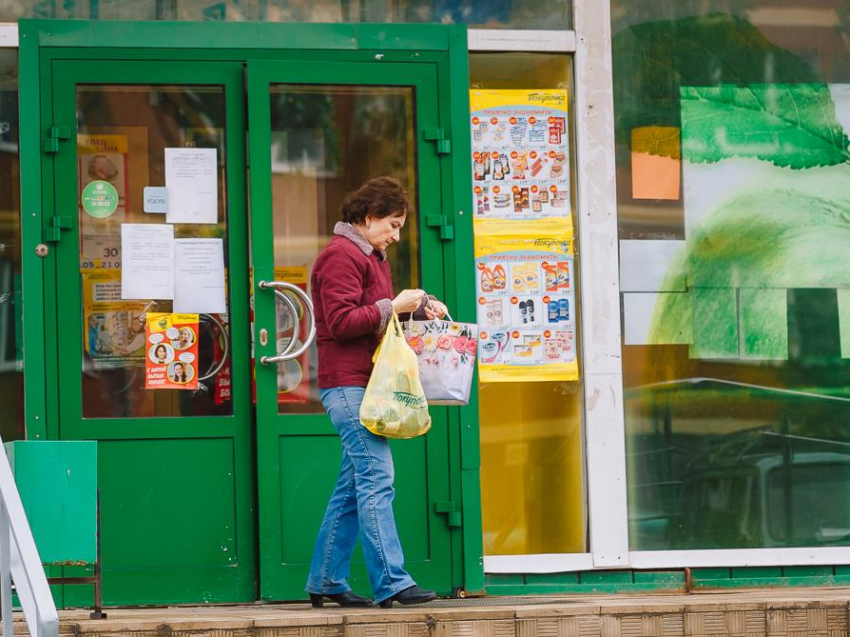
point(325, 142)
point(733, 161)
point(122, 134)
point(491, 14)
point(532, 470)
point(11, 371)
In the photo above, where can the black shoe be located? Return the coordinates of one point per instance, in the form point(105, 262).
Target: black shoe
point(413, 595)
point(346, 600)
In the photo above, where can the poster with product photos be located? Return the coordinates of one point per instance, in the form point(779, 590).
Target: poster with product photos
point(520, 154)
point(526, 305)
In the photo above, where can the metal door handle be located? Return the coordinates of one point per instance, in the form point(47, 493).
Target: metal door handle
point(288, 354)
point(225, 348)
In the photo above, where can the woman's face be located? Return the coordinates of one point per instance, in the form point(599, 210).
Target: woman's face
point(381, 233)
point(161, 352)
point(178, 369)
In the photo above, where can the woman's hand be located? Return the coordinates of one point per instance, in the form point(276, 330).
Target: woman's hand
point(408, 301)
point(435, 310)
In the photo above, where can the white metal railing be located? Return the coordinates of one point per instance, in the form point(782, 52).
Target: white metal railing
point(19, 561)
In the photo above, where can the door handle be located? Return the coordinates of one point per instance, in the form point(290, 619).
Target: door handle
point(288, 354)
point(225, 346)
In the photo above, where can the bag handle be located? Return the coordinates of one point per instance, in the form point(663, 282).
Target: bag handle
point(448, 318)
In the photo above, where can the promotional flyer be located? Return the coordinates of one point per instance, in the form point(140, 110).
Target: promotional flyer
point(526, 306)
point(172, 351)
point(520, 154)
point(114, 328)
point(103, 167)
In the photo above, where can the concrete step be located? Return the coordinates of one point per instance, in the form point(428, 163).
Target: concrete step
point(809, 612)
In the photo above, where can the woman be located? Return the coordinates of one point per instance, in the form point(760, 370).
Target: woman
point(354, 301)
point(187, 338)
point(178, 374)
point(161, 354)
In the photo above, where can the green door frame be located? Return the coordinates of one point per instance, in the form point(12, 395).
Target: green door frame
point(444, 47)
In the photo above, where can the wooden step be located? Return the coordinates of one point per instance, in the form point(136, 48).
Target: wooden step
point(809, 612)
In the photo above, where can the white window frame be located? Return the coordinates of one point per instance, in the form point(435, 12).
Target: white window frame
point(8, 35)
point(604, 416)
point(604, 425)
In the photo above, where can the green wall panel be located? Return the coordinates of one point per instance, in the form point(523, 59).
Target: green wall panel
point(58, 486)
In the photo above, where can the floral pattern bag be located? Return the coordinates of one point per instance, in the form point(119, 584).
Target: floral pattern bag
point(446, 353)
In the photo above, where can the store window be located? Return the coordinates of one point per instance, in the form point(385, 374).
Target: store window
point(733, 182)
point(491, 14)
point(531, 431)
point(11, 372)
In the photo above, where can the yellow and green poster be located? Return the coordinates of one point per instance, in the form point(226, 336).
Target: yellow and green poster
point(524, 242)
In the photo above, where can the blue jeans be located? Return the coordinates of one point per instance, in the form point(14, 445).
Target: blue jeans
point(362, 503)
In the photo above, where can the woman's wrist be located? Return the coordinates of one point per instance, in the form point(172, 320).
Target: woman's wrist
point(386, 307)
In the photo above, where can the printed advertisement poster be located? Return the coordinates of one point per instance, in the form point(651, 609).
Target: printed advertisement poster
point(103, 158)
point(520, 154)
point(172, 351)
point(525, 285)
point(114, 329)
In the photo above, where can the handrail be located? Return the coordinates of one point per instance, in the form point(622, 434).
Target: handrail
point(19, 562)
point(673, 384)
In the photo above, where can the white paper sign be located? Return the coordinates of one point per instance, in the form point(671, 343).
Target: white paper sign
point(156, 199)
point(147, 261)
point(192, 181)
point(199, 276)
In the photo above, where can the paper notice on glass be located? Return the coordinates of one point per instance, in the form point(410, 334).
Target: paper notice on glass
point(199, 276)
point(191, 177)
point(147, 261)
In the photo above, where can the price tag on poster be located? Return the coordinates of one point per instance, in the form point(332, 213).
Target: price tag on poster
point(172, 351)
point(526, 306)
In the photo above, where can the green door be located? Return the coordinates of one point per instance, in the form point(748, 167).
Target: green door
point(175, 466)
point(317, 131)
point(215, 493)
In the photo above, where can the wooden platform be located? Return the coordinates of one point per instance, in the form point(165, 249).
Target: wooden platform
point(816, 612)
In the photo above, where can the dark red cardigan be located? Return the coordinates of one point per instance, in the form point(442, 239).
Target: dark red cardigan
point(352, 293)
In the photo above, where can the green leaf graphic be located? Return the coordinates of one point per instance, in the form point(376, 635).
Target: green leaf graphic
point(788, 125)
point(652, 60)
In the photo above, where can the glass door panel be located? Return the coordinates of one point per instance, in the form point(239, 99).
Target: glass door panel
point(325, 142)
point(122, 134)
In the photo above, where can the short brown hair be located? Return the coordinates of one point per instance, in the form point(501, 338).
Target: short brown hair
point(380, 197)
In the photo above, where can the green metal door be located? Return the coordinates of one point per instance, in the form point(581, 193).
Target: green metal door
point(175, 467)
point(317, 131)
point(216, 494)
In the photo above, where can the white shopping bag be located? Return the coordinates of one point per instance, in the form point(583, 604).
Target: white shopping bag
point(446, 352)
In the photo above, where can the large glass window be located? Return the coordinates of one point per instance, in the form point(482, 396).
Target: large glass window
point(491, 14)
point(733, 180)
point(11, 376)
point(532, 476)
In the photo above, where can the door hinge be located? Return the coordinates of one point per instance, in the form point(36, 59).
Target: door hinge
point(452, 512)
point(447, 231)
point(57, 225)
point(57, 134)
point(444, 146)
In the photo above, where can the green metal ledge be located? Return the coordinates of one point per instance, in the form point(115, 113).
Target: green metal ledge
point(594, 582)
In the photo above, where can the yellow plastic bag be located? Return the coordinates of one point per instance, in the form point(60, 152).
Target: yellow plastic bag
point(394, 405)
